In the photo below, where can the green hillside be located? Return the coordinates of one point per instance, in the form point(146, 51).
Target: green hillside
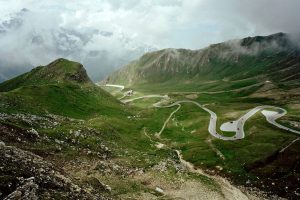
point(62, 137)
point(58, 71)
point(271, 58)
point(80, 142)
point(62, 88)
point(230, 78)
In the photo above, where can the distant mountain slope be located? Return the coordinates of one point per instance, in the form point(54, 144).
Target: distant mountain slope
point(265, 58)
point(62, 87)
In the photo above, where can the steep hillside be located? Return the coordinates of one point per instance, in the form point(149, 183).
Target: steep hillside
point(263, 58)
point(39, 113)
point(62, 87)
point(58, 71)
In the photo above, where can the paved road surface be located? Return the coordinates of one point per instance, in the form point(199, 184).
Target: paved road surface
point(234, 126)
point(143, 97)
point(117, 86)
point(238, 125)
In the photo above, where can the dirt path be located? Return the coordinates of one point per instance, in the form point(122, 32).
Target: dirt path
point(166, 122)
point(229, 191)
point(217, 151)
point(283, 149)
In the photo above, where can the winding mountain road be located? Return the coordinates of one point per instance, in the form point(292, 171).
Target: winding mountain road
point(116, 86)
point(228, 190)
point(121, 87)
point(145, 97)
point(233, 126)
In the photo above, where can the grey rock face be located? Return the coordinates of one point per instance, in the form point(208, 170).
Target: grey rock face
point(24, 175)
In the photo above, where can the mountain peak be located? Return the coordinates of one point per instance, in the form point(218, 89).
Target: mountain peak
point(66, 70)
point(58, 71)
point(280, 39)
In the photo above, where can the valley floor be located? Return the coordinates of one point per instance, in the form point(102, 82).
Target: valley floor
point(161, 101)
point(159, 147)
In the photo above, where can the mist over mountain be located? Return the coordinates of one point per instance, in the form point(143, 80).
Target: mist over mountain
point(105, 35)
point(43, 42)
point(272, 57)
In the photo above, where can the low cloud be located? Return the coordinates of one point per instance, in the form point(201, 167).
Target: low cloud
point(105, 35)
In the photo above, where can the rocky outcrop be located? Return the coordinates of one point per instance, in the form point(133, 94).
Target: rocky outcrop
point(24, 175)
point(28, 191)
point(76, 74)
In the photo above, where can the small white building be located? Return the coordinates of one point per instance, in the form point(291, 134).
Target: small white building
point(129, 92)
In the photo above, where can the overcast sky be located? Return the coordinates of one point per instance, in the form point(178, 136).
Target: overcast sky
point(106, 34)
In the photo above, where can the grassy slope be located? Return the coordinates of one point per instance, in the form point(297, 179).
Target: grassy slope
point(105, 122)
point(188, 128)
point(259, 69)
point(59, 71)
point(238, 77)
point(61, 88)
point(117, 127)
point(243, 81)
point(62, 99)
point(218, 66)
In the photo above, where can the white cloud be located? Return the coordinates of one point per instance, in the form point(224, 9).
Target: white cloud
point(104, 34)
